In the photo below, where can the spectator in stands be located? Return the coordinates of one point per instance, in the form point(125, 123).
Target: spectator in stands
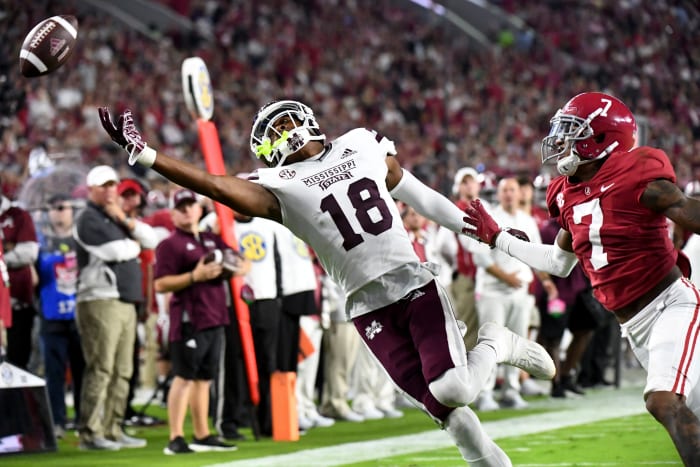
point(132, 199)
point(109, 287)
point(581, 316)
point(298, 286)
point(57, 267)
point(187, 265)
point(502, 288)
point(466, 188)
point(257, 241)
point(341, 345)
point(19, 242)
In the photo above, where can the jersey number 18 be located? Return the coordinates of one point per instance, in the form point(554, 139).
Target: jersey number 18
point(363, 195)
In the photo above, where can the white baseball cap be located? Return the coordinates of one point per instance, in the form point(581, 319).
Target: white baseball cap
point(100, 175)
point(459, 176)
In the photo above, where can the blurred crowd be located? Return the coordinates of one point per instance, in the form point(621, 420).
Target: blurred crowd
point(388, 66)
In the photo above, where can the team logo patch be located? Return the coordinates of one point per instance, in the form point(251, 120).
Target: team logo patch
point(295, 142)
point(287, 174)
point(587, 190)
point(329, 176)
point(560, 200)
point(373, 329)
point(253, 246)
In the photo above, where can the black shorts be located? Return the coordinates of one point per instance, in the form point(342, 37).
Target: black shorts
point(300, 303)
point(197, 356)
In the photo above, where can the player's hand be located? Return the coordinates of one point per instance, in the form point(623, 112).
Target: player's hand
point(480, 224)
point(125, 134)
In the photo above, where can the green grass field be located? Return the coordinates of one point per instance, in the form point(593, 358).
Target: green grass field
point(635, 440)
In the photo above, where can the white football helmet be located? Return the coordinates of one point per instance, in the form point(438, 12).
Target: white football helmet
point(274, 151)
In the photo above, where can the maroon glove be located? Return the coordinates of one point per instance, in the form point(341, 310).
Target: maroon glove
point(485, 229)
point(124, 133)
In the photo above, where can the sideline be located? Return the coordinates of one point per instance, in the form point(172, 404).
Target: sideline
point(595, 406)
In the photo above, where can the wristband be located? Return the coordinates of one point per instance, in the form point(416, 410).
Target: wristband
point(146, 157)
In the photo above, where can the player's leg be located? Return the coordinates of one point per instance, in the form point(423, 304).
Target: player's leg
point(476, 447)
point(664, 336)
point(417, 341)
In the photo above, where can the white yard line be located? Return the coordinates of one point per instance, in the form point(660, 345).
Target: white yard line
point(595, 406)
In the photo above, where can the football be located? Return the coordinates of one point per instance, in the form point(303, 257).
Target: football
point(48, 45)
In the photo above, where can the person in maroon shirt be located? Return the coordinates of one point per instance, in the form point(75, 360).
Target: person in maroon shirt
point(612, 203)
point(187, 266)
point(21, 250)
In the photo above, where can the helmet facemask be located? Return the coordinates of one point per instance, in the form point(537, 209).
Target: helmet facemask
point(565, 134)
point(272, 146)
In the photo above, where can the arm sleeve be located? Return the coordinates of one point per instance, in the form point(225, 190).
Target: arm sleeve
point(548, 258)
point(144, 234)
point(23, 254)
point(428, 202)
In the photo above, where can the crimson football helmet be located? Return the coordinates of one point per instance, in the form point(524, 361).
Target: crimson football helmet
point(589, 127)
point(274, 151)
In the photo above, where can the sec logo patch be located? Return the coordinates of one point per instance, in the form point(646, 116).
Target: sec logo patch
point(253, 246)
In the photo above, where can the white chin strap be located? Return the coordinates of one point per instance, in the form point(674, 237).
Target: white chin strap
point(568, 165)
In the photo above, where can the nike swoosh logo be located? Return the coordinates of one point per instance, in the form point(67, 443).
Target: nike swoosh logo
point(604, 188)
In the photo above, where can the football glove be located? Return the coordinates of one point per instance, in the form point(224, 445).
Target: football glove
point(482, 227)
point(125, 134)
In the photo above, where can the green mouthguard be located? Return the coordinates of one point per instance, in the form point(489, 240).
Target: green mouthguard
point(266, 148)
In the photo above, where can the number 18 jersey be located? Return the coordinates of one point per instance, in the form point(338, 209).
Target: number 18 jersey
point(624, 248)
point(339, 204)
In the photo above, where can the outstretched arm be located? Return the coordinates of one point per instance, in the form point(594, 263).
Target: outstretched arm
point(240, 195)
point(557, 259)
point(426, 201)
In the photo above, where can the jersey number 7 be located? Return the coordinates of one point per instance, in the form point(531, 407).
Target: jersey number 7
point(599, 258)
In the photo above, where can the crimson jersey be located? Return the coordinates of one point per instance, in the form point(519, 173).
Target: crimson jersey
point(624, 248)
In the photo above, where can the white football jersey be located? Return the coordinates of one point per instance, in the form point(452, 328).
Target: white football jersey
point(339, 204)
point(298, 274)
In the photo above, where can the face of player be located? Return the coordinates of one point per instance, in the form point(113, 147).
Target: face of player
point(186, 216)
point(287, 123)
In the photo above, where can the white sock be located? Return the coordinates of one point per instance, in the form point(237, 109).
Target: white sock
point(476, 447)
point(481, 361)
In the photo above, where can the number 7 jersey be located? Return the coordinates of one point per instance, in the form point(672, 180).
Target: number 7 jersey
point(624, 247)
point(339, 204)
